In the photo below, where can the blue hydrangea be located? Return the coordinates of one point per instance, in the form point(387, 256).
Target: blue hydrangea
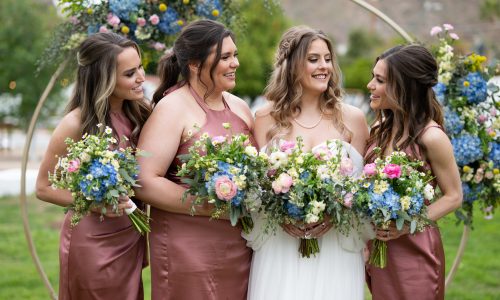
point(205, 8)
point(467, 149)
point(123, 8)
point(495, 154)
point(294, 211)
point(417, 201)
point(304, 175)
point(476, 91)
point(440, 90)
point(168, 22)
point(236, 201)
point(471, 194)
point(92, 29)
point(104, 176)
point(452, 122)
point(388, 201)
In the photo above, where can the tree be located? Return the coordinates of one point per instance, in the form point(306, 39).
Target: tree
point(257, 42)
point(26, 26)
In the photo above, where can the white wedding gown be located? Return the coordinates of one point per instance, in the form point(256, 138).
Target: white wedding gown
point(279, 272)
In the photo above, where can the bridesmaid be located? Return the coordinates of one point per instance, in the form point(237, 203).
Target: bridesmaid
point(100, 259)
point(192, 257)
point(410, 119)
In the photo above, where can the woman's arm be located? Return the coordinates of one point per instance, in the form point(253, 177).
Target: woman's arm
point(440, 156)
point(160, 138)
point(69, 127)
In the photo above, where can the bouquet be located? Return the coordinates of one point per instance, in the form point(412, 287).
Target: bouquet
point(225, 171)
point(306, 187)
point(472, 122)
point(394, 189)
point(97, 176)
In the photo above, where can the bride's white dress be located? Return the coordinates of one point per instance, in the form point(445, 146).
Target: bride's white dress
point(279, 272)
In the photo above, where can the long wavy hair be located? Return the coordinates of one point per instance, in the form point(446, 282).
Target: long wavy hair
point(96, 80)
point(412, 71)
point(284, 89)
point(193, 45)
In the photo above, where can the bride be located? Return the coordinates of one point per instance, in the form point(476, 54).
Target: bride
point(304, 96)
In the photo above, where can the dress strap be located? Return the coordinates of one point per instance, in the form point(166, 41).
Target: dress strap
point(198, 99)
point(430, 126)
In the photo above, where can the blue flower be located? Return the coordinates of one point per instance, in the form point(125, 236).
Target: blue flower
point(471, 194)
point(440, 90)
point(104, 177)
point(474, 87)
point(416, 203)
point(236, 201)
point(205, 8)
point(294, 211)
point(304, 175)
point(467, 149)
point(168, 22)
point(123, 8)
point(452, 122)
point(388, 201)
point(495, 154)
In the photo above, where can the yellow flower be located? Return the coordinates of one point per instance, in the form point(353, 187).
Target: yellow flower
point(496, 171)
point(226, 125)
point(215, 12)
point(90, 11)
point(466, 83)
point(467, 169)
point(162, 7)
point(405, 202)
point(125, 30)
point(492, 134)
point(180, 23)
point(185, 1)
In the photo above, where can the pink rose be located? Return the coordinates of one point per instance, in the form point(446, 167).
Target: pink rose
point(322, 152)
point(103, 29)
point(74, 165)
point(159, 46)
point(287, 146)
point(370, 169)
point(392, 171)
point(113, 20)
point(482, 118)
point(348, 200)
point(141, 22)
point(225, 188)
point(435, 30)
point(346, 166)
point(154, 19)
point(282, 184)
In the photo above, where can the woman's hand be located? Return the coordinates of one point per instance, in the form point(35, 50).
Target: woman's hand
point(307, 231)
point(124, 202)
point(391, 232)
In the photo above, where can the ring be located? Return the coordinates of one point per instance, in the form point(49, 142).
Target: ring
point(307, 235)
point(323, 225)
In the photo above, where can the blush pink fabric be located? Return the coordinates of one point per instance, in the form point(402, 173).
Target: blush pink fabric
point(102, 260)
point(193, 257)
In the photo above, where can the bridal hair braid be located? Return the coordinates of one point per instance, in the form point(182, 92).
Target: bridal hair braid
point(96, 80)
point(412, 71)
point(284, 88)
point(194, 44)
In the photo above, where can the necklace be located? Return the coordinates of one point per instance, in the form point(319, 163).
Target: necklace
point(309, 127)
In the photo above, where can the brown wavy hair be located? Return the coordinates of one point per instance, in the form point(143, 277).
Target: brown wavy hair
point(284, 89)
point(96, 80)
point(412, 71)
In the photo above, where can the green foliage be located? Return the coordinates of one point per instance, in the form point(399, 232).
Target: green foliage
point(257, 42)
point(490, 10)
point(23, 34)
point(357, 73)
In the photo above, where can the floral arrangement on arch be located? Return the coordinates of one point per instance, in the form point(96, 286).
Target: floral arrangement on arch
point(472, 121)
point(153, 24)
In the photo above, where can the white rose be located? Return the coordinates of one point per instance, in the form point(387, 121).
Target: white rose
point(429, 192)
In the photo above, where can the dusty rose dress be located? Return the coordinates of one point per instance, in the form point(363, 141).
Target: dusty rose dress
point(194, 257)
point(102, 260)
point(415, 266)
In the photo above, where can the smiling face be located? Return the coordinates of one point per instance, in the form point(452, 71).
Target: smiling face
point(378, 87)
point(129, 76)
point(318, 68)
point(224, 74)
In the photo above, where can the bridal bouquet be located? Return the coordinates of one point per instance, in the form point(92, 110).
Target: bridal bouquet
point(97, 176)
point(225, 171)
point(308, 186)
point(394, 189)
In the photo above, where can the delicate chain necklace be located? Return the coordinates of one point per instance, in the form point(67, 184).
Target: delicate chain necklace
point(309, 127)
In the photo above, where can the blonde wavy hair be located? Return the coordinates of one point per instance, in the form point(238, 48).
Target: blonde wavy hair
point(284, 89)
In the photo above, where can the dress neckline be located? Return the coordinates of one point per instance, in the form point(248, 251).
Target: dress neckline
point(204, 105)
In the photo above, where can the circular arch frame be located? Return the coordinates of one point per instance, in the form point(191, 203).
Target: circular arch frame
point(48, 89)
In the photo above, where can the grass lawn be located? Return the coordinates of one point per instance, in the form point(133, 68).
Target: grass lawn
point(477, 277)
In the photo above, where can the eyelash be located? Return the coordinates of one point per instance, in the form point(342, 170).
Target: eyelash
point(313, 60)
point(227, 57)
point(132, 74)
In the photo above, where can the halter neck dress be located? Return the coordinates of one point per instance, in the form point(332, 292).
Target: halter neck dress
point(415, 263)
point(102, 259)
point(195, 257)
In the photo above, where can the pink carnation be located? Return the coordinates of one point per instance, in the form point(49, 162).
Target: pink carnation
point(482, 118)
point(287, 146)
point(103, 29)
point(141, 22)
point(322, 152)
point(218, 140)
point(448, 27)
point(113, 20)
point(159, 46)
point(348, 200)
point(454, 36)
point(435, 30)
point(74, 165)
point(225, 188)
point(370, 169)
point(346, 166)
point(154, 19)
point(392, 171)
